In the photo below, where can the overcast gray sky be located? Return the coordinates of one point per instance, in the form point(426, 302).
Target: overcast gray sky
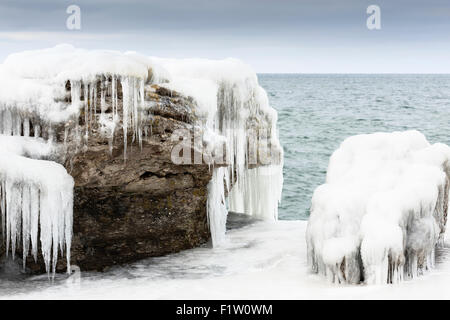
point(305, 36)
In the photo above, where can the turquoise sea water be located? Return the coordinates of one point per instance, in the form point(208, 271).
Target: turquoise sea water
point(317, 112)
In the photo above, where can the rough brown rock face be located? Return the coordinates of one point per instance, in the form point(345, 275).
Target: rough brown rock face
point(144, 206)
point(147, 211)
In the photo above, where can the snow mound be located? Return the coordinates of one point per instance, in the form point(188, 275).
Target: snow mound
point(382, 210)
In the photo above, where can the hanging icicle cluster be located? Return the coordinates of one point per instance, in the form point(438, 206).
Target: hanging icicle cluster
point(253, 186)
point(36, 199)
point(126, 111)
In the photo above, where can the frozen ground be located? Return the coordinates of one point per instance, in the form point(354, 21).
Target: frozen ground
point(260, 261)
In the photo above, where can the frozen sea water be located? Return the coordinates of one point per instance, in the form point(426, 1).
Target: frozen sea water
point(260, 261)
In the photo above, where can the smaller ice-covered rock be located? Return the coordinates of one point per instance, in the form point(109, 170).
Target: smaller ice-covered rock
point(382, 210)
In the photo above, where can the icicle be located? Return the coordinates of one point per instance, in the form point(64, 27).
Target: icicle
point(26, 127)
point(3, 207)
point(13, 212)
point(92, 89)
point(7, 122)
point(86, 109)
point(37, 131)
point(75, 93)
point(139, 113)
point(102, 99)
point(17, 124)
point(136, 105)
point(76, 103)
point(114, 96)
point(26, 222)
point(51, 134)
point(34, 213)
point(67, 200)
point(216, 206)
point(259, 192)
point(125, 82)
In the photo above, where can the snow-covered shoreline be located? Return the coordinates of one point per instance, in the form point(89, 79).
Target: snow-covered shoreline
point(260, 261)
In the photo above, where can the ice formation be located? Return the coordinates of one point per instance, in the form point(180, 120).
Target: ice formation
point(44, 89)
point(36, 199)
point(382, 210)
point(233, 105)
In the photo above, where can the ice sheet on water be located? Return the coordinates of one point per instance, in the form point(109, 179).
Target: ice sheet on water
point(260, 261)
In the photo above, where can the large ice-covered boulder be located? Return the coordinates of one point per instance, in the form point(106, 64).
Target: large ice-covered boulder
point(154, 147)
point(382, 210)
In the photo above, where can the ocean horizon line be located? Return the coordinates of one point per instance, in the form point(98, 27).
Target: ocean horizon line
point(352, 73)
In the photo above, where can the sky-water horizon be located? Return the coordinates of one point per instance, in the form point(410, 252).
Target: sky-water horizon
point(289, 36)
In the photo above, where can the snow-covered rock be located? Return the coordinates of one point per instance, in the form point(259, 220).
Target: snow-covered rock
point(382, 210)
point(79, 108)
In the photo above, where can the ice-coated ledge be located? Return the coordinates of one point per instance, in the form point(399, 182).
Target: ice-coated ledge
point(382, 210)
